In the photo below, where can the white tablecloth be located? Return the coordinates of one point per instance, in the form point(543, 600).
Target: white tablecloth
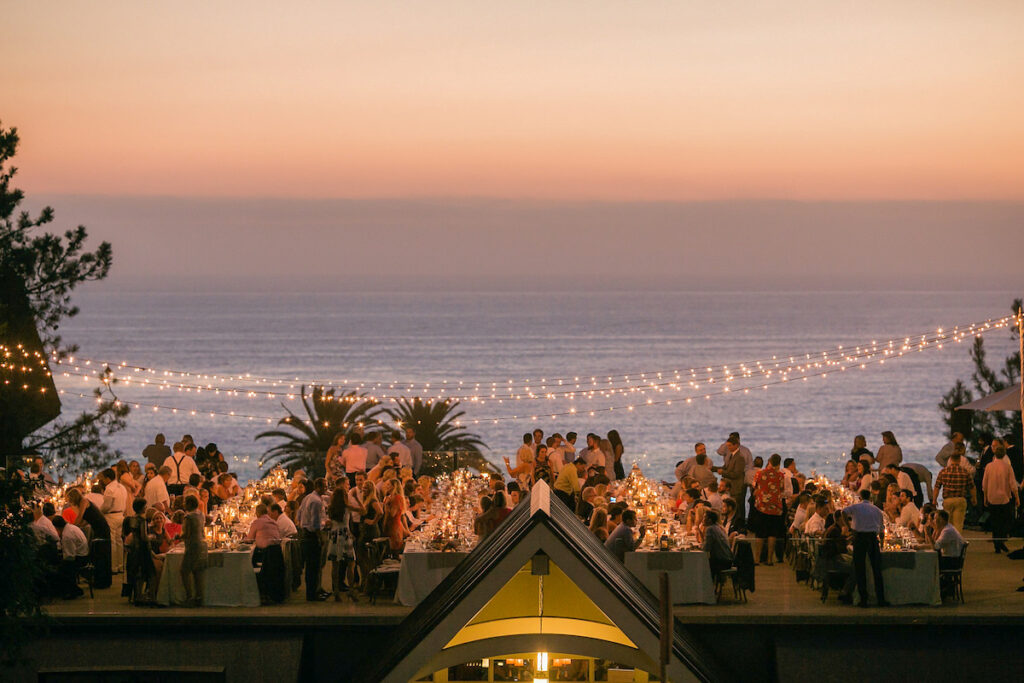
point(229, 580)
point(910, 578)
point(689, 574)
point(421, 572)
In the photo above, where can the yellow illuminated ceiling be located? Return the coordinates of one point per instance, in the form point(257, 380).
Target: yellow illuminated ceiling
point(551, 604)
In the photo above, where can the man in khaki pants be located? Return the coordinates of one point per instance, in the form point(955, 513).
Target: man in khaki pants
point(957, 484)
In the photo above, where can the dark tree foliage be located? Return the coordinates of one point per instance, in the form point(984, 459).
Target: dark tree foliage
point(436, 424)
point(49, 267)
point(20, 611)
point(986, 380)
point(304, 440)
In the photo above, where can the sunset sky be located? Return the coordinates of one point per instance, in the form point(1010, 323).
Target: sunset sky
point(550, 101)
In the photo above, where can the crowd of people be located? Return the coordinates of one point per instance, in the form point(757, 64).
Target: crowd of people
point(127, 520)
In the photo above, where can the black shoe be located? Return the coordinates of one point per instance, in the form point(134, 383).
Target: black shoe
point(846, 599)
point(884, 603)
point(1021, 589)
point(319, 598)
point(863, 603)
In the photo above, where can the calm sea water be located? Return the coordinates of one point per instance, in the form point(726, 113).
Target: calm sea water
point(432, 337)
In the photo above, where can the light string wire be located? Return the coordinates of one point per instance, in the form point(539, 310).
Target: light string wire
point(930, 342)
point(707, 374)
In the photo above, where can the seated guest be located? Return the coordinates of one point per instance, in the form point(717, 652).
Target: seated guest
point(586, 504)
point(415, 515)
point(909, 516)
point(75, 555)
point(615, 511)
point(713, 496)
point(284, 523)
point(155, 493)
point(100, 552)
point(484, 522)
point(621, 540)
point(514, 493)
point(42, 525)
point(801, 513)
point(815, 524)
point(716, 544)
point(732, 524)
point(596, 475)
point(599, 524)
point(948, 541)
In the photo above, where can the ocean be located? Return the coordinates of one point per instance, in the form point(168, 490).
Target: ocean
point(445, 337)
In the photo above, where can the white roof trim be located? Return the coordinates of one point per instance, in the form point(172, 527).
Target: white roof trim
point(540, 498)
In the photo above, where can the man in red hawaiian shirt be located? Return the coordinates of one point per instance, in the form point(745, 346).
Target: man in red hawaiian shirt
point(768, 522)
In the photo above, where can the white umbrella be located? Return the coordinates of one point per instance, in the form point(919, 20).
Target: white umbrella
point(1007, 399)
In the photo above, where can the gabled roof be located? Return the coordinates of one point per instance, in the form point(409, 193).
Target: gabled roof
point(544, 525)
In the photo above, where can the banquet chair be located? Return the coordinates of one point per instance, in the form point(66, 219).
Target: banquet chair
point(738, 591)
point(951, 579)
point(384, 568)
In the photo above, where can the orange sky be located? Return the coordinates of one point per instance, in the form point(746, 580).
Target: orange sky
point(568, 100)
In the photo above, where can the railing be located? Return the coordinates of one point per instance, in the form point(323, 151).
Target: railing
point(444, 462)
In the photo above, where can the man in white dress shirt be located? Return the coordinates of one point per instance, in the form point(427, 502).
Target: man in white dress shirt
point(42, 526)
point(815, 524)
point(910, 515)
point(75, 553)
point(284, 523)
point(593, 455)
point(156, 491)
point(183, 465)
point(115, 503)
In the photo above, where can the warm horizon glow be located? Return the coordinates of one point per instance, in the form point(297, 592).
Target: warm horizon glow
point(570, 100)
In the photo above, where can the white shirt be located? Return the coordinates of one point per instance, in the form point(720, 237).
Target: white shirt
point(286, 525)
point(799, 517)
point(95, 498)
point(156, 492)
point(73, 543)
point(815, 524)
point(909, 515)
point(45, 526)
point(182, 467)
point(401, 453)
point(714, 499)
point(115, 499)
point(950, 543)
point(594, 458)
point(555, 459)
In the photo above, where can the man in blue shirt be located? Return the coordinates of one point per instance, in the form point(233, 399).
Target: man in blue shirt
point(620, 541)
point(869, 533)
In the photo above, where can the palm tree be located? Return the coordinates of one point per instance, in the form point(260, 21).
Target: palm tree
point(307, 439)
point(437, 429)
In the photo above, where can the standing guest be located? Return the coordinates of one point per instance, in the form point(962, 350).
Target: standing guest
point(193, 564)
point(156, 494)
point(538, 439)
point(770, 522)
point(399, 452)
point(716, 544)
point(599, 524)
point(1001, 496)
point(355, 504)
point(157, 452)
point(353, 458)
point(139, 570)
point(889, 453)
point(569, 447)
point(375, 449)
point(1014, 455)
point(415, 450)
point(523, 471)
point(340, 549)
point(309, 522)
point(733, 472)
point(596, 477)
point(136, 472)
point(265, 535)
point(942, 457)
point(732, 446)
point(75, 555)
point(621, 540)
point(332, 462)
point(617, 450)
point(606, 450)
point(115, 503)
point(567, 485)
point(556, 454)
point(484, 523)
point(860, 450)
point(86, 513)
point(38, 476)
point(593, 455)
point(542, 467)
point(869, 534)
point(183, 466)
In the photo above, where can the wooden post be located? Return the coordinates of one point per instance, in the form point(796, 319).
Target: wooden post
point(666, 623)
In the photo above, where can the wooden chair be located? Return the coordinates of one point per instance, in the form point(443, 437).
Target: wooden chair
point(384, 568)
point(951, 579)
point(739, 593)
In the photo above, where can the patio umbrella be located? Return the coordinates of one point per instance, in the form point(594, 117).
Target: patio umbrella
point(1007, 399)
